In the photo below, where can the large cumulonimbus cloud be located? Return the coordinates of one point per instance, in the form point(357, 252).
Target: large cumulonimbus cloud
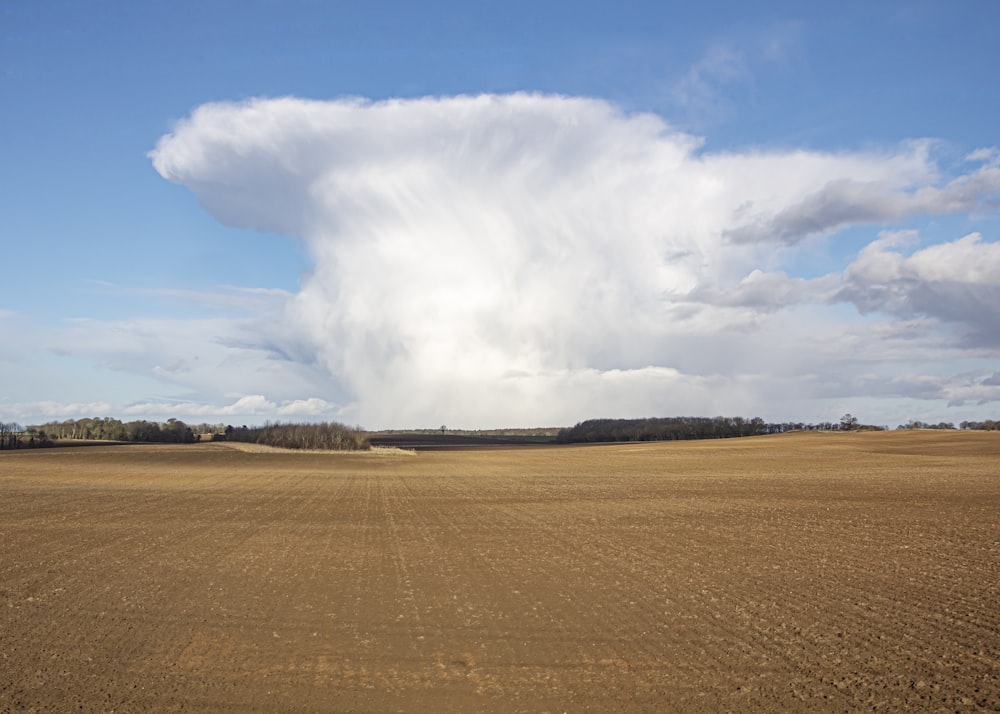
point(527, 259)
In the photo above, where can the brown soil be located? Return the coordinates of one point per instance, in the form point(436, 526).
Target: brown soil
point(812, 572)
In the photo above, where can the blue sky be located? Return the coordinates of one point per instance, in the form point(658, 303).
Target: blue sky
point(775, 209)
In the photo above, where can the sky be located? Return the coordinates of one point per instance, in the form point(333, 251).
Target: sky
point(483, 215)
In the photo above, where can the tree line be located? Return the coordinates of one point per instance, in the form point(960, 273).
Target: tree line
point(986, 425)
point(685, 428)
point(10, 434)
point(172, 431)
point(327, 436)
point(688, 428)
point(338, 437)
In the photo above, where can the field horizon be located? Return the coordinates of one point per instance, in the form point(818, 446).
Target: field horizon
point(808, 571)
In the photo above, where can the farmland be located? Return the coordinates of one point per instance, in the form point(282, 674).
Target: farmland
point(800, 572)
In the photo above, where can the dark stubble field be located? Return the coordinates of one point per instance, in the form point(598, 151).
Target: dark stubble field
point(804, 572)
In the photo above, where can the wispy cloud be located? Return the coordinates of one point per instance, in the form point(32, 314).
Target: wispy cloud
point(702, 91)
point(845, 202)
point(707, 91)
point(223, 297)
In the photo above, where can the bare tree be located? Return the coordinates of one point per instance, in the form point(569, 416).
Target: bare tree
point(848, 422)
point(10, 433)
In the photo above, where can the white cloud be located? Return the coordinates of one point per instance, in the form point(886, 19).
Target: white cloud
point(844, 202)
point(247, 409)
point(311, 407)
point(957, 282)
point(528, 259)
point(700, 91)
point(52, 410)
point(224, 298)
point(252, 404)
point(766, 291)
point(728, 69)
point(986, 154)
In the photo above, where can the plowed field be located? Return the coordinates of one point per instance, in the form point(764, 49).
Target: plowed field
point(809, 572)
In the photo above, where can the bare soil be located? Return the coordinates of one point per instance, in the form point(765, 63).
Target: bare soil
point(808, 572)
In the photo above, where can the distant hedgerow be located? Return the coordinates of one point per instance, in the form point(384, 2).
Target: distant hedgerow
point(684, 428)
point(328, 436)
